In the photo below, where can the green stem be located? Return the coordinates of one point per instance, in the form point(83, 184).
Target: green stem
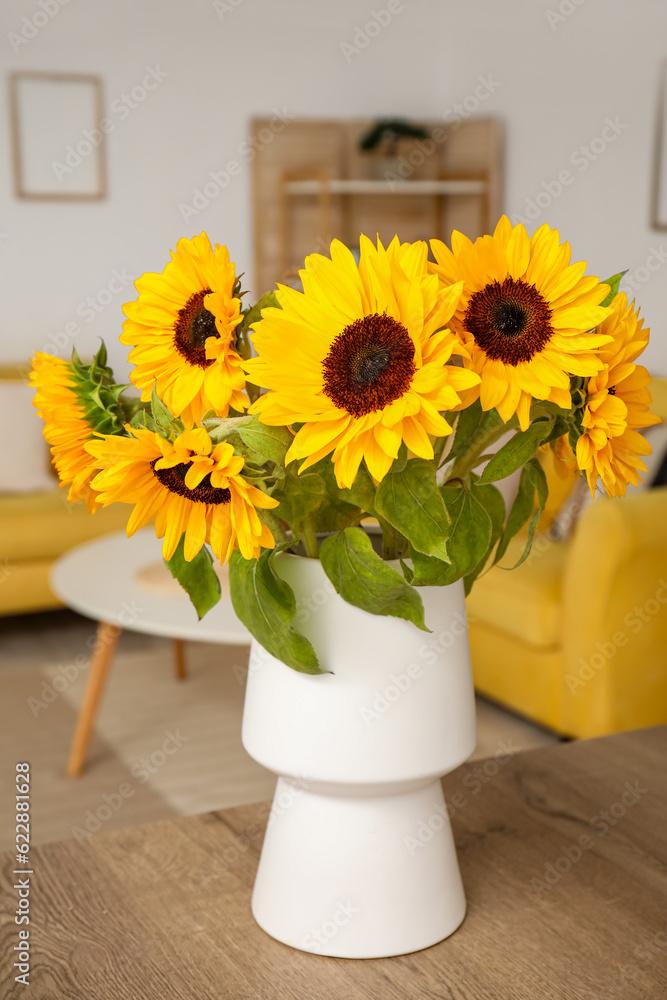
point(438, 449)
point(470, 458)
point(389, 541)
point(129, 405)
point(309, 538)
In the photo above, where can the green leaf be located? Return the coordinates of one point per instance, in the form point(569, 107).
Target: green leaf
point(492, 501)
point(533, 481)
point(410, 501)
point(613, 282)
point(363, 579)
point(197, 577)
point(559, 428)
point(263, 443)
point(257, 442)
point(468, 542)
point(360, 495)
point(299, 495)
point(266, 605)
point(220, 428)
point(334, 515)
point(519, 449)
point(471, 423)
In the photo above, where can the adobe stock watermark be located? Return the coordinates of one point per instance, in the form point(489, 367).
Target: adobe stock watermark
point(89, 309)
point(473, 781)
point(67, 673)
point(581, 158)
point(565, 10)
point(246, 152)
point(454, 117)
point(401, 682)
point(142, 771)
point(638, 276)
point(267, 814)
point(645, 954)
point(31, 26)
point(121, 108)
point(605, 651)
point(601, 823)
point(341, 916)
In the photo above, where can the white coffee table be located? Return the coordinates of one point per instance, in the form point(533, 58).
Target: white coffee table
point(123, 584)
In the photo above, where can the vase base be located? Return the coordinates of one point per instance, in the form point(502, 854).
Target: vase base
point(359, 876)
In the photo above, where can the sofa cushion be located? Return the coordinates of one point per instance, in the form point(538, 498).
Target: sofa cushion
point(44, 525)
point(525, 602)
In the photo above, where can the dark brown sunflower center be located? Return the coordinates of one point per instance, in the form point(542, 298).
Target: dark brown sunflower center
point(370, 364)
point(174, 480)
point(510, 321)
point(192, 328)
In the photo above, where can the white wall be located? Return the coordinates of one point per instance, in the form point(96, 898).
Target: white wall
point(558, 83)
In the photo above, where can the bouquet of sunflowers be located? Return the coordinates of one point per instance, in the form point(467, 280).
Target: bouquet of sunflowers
point(377, 392)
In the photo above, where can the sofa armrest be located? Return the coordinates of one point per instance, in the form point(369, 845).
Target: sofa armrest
point(615, 617)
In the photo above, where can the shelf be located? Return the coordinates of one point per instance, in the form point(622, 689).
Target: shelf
point(434, 187)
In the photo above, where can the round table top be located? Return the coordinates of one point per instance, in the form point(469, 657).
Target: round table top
point(124, 581)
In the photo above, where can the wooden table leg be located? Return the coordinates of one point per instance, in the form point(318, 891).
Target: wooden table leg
point(179, 654)
point(105, 644)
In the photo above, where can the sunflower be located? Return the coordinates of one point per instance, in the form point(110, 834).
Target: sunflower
point(189, 486)
point(65, 425)
point(617, 405)
point(182, 329)
point(526, 315)
point(365, 367)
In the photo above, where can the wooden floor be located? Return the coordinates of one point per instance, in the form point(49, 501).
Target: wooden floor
point(176, 744)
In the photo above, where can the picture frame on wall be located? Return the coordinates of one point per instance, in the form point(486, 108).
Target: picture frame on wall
point(57, 136)
point(659, 192)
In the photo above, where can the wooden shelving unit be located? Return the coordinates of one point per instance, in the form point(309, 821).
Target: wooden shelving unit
point(311, 184)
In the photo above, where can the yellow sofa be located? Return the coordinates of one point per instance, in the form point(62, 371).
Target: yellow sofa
point(576, 637)
point(36, 528)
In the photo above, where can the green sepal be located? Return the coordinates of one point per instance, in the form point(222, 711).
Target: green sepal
point(409, 500)
point(197, 577)
point(533, 483)
point(266, 605)
point(613, 282)
point(99, 395)
point(143, 420)
point(254, 313)
point(520, 448)
point(167, 425)
point(251, 316)
point(363, 579)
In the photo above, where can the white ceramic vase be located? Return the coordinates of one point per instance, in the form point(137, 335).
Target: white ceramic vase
point(359, 859)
